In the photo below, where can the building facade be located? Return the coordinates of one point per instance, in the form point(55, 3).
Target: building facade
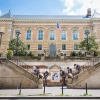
point(41, 35)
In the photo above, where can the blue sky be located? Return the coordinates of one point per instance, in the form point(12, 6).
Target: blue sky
point(48, 7)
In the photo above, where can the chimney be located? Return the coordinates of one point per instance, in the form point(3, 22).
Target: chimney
point(89, 12)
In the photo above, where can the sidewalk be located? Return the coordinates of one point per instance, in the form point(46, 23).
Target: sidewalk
point(51, 91)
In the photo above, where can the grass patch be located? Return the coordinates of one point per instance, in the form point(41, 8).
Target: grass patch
point(20, 95)
point(86, 94)
point(64, 95)
point(44, 95)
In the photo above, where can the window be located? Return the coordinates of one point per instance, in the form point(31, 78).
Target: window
point(75, 47)
point(28, 35)
point(28, 46)
point(51, 34)
point(63, 35)
point(40, 35)
point(75, 35)
point(15, 32)
point(39, 46)
point(63, 46)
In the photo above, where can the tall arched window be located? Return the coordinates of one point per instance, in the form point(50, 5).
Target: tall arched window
point(75, 35)
point(28, 35)
point(17, 30)
point(40, 35)
point(63, 35)
point(51, 34)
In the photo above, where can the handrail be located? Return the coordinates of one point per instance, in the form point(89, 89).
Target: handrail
point(21, 64)
point(89, 64)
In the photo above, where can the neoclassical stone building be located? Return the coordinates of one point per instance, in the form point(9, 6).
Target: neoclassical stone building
point(40, 34)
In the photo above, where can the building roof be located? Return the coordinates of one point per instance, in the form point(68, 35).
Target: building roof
point(25, 17)
point(7, 15)
point(32, 17)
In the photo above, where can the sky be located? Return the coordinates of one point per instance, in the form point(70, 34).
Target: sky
point(48, 7)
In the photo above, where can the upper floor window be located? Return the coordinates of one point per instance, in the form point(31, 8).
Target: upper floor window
point(63, 46)
point(39, 46)
point(51, 34)
point(75, 47)
point(75, 35)
point(28, 35)
point(40, 35)
point(63, 35)
point(15, 32)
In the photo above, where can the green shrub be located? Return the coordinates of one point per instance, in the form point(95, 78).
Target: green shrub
point(21, 53)
point(80, 53)
point(9, 54)
point(31, 54)
point(73, 53)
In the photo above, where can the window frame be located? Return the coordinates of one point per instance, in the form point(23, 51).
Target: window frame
point(74, 35)
point(40, 46)
point(28, 33)
point(63, 46)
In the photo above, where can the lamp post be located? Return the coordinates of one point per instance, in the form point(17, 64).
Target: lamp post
point(17, 35)
point(1, 33)
point(87, 33)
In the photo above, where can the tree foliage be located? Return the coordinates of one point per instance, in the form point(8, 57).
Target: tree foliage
point(20, 46)
point(92, 44)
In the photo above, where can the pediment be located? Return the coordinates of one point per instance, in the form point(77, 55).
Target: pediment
point(55, 67)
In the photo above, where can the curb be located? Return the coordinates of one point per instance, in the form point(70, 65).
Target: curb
point(48, 97)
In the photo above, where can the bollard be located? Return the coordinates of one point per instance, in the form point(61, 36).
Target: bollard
point(20, 89)
point(44, 87)
point(62, 87)
point(86, 88)
point(17, 61)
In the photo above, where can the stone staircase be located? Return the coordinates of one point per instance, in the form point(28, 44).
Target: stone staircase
point(89, 69)
point(21, 71)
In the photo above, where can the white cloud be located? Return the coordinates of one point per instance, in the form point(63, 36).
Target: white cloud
point(79, 7)
point(0, 13)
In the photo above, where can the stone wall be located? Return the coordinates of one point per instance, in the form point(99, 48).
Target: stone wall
point(91, 77)
point(11, 79)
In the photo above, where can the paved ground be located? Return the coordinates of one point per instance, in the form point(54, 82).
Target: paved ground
point(54, 91)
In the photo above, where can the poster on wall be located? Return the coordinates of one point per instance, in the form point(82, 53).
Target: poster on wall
point(55, 76)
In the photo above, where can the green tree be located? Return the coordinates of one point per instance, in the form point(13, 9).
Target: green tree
point(92, 44)
point(21, 46)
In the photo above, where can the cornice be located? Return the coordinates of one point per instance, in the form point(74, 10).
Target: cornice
point(53, 21)
point(6, 19)
point(79, 21)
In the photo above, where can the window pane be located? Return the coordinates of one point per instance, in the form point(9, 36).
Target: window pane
point(28, 35)
point(63, 46)
point(75, 35)
point(51, 35)
point(75, 47)
point(63, 35)
point(39, 46)
point(40, 35)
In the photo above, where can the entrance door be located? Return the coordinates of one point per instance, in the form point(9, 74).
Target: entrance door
point(52, 50)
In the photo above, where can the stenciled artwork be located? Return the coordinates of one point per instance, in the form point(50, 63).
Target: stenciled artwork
point(55, 76)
